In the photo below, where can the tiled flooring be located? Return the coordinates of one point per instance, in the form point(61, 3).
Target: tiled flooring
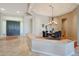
point(12, 46)
point(39, 54)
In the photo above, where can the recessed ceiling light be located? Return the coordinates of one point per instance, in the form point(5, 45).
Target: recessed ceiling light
point(2, 9)
point(17, 12)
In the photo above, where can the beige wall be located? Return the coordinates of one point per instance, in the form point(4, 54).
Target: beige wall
point(70, 24)
point(0, 24)
point(77, 23)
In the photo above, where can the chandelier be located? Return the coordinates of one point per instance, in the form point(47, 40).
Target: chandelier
point(52, 18)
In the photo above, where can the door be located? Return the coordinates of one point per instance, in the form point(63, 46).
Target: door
point(13, 28)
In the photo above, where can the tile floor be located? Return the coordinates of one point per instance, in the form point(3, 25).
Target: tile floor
point(11, 46)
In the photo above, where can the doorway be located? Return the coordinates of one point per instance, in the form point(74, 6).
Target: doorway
point(64, 28)
point(12, 28)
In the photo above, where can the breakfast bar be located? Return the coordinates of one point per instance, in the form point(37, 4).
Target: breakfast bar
point(63, 47)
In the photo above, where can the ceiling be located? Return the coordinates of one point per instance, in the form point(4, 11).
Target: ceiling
point(13, 8)
point(58, 8)
point(38, 8)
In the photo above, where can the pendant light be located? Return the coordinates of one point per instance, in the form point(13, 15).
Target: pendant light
point(52, 18)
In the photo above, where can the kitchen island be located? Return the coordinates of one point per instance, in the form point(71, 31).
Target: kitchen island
point(63, 47)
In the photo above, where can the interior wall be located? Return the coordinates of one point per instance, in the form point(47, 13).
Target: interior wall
point(0, 24)
point(77, 23)
point(74, 28)
point(37, 22)
point(70, 26)
point(27, 25)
